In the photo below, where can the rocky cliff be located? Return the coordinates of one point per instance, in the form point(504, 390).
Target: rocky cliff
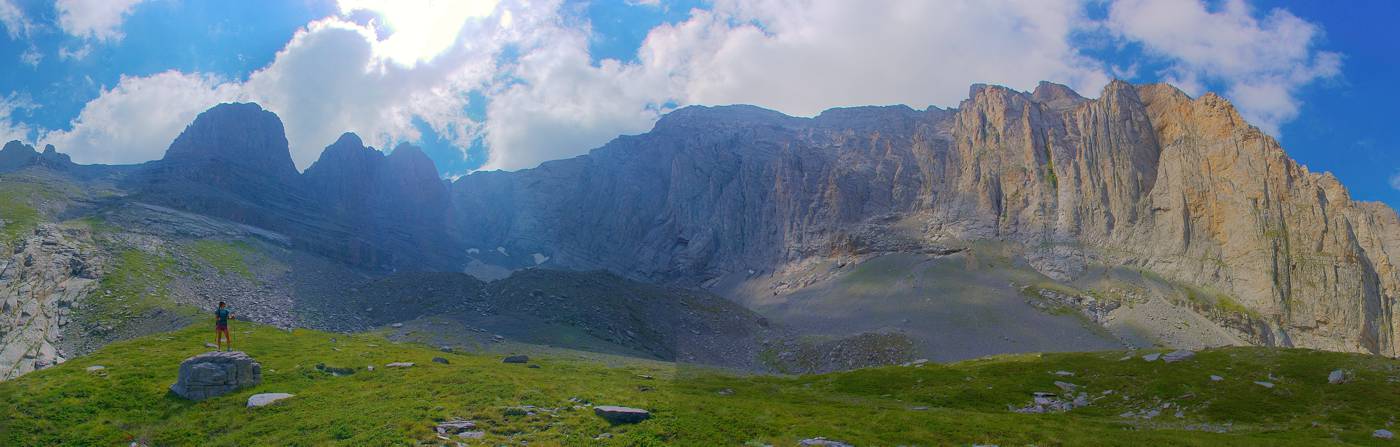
point(1143, 176)
point(354, 204)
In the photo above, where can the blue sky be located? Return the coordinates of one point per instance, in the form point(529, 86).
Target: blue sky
point(506, 85)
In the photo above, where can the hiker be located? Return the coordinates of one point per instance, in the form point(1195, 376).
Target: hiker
point(222, 315)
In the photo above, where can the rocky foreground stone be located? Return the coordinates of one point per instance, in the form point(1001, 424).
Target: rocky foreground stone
point(621, 415)
point(214, 374)
point(265, 399)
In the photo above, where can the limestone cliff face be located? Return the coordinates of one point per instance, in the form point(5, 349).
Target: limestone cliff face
point(48, 274)
point(1142, 176)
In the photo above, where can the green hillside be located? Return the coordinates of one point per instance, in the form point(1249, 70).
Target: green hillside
point(957, 404)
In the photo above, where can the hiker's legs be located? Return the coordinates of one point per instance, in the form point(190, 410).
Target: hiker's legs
point(228, 336)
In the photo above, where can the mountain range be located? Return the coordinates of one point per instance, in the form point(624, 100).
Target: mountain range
point(1015, 222)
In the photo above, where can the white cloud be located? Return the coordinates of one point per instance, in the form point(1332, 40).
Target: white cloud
point(74, 54)
point(31, 56)
point(1261, 61)
point(1395, 181)
point(16, 24)
point(97, 19)
point(420, 30)
point(11, 127)
point(331, 79)
point(137, 119)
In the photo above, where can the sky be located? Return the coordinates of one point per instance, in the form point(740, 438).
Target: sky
point(507, 84)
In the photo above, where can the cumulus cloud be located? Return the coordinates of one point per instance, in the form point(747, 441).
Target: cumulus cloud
point(96, 19)
point(331, 78)
point(1395, 181)
point(137, 119)
point(1262, 61)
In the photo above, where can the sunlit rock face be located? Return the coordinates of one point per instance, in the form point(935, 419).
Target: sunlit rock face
point(1142, 176)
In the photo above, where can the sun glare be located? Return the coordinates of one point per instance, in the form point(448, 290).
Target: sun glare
point(420, 30)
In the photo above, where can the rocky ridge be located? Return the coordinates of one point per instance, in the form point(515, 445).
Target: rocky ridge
point(1143, 176)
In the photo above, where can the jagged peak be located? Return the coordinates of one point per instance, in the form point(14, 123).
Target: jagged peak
point(1048, 91)
point(406, 149)
point(50, 150)
point(348, 139)
point(240, 133)
point(16, 145)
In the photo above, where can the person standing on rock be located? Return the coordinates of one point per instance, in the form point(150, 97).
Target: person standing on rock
point(222, 315)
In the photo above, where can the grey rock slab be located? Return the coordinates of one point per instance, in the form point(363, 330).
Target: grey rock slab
point(399, 365)
point(516, 359)
point(441, 360)
point(1152, 357)
point(823, 442)
point(621, 415)
point(1383, 434)
point(265, 399)
point(216, 373)
point(1177, 356)
point(1265, 384)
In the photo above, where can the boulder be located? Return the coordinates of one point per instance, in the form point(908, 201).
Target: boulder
point(517, 359)
point(1383, 434)
point(265, 399)
point(399, 365)
point(440, 360)
point(1337, 377)
point(216, 373)
point(820, 441)
point(1152, 357)
point(621, 415)
point(1265, 384)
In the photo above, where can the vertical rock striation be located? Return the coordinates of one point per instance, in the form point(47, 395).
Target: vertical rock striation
point(1142, 176)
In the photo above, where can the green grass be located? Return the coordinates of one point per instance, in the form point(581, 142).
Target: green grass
point(19, 214)
point(967, 401)
point(136, 284)
point(226, 257)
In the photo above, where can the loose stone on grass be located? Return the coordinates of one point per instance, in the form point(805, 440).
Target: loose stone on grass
point(621, 415)
point(265, 399)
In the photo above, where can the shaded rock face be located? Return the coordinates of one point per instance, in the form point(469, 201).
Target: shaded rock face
point(1143, 176)
point(354, 204)
point(16, 155)
point(214, 374)
point(236, 134)
point(375, 194)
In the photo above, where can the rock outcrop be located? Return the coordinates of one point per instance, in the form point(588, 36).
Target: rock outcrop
point(355, 204)
point(16, 155)
point(379, 195)
point(1143, 176)
point(45, 278)
point(216, 373)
